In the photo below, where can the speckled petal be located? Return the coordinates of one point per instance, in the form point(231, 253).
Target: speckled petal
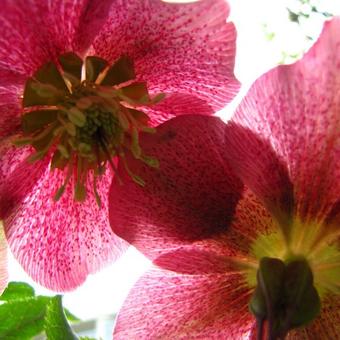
point(3, 260)
point(176, 104)
point(11, 89)
point(190, 197)
point(233, 244)
point(17, 176)
point(186, 48)
point(33, 32)
point(165, 305)
point(60, 243)
point(286, 131)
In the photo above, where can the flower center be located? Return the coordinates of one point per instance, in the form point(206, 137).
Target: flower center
point(293, 276)
point(84, 115)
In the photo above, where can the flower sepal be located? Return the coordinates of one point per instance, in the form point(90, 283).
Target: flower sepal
point(285, 296)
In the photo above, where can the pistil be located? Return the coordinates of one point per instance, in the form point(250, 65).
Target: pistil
point(285, 297)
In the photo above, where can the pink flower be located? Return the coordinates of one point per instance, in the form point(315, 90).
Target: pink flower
point(55, 206)
point(210, 237)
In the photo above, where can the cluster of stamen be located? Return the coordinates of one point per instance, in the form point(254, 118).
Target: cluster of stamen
point(84, 115)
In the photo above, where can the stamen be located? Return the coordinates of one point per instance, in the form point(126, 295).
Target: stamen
point(87, 118)
point(61, 190)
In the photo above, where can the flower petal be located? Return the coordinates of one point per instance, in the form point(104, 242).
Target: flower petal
point(234, 244)
point(34, 32)
point(11, 88)
point(287, 130)
point(165, 305)
point(60, 243)
point(176, 104)
point(255, 161)
point(187, 48)
point(3, 260)
point(191, 196)
point(17, 176)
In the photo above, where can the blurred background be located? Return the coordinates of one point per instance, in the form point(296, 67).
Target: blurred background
point(269, 33)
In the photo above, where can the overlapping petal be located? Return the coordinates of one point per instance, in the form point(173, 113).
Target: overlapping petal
point(57, 243)
point(177, 48)
point(33, 32)
point(166, 305)
point(176, 104)
point(196, 291)
point(10, 106)
point(284, 138)
point(191, 196)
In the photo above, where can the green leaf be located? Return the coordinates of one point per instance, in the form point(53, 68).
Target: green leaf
point(24, 315)
point(56, 325)
point(17, 290)
point(22, 318)
point(70, 316)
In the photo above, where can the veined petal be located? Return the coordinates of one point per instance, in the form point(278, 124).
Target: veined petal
point(38, 31)
point(11, 89)
point(190, 197)
point(176, 104)
point(287, 130)
point(187, 48)
point(17, 176)
point(232, 245)
point(256, 162)
point(3, 260)
point(60, 243)
point(166, 305)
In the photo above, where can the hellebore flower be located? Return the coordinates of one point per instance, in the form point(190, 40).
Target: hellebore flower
point(75, 79)
point(243, 262)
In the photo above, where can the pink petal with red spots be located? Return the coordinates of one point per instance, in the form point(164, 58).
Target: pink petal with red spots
point(33, 32)
point(186, 48)
point(190, 197)
point(165, 305)
point(17, 176)
point(176, 104)
point(3, 261)
point(222, 249)
point(60, 243)
point(287, 130)
point(256, 162)
point(11, 89)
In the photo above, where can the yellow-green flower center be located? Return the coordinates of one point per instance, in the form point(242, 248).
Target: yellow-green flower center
point(293, 275)
point(83, 115)
point(311, 242)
